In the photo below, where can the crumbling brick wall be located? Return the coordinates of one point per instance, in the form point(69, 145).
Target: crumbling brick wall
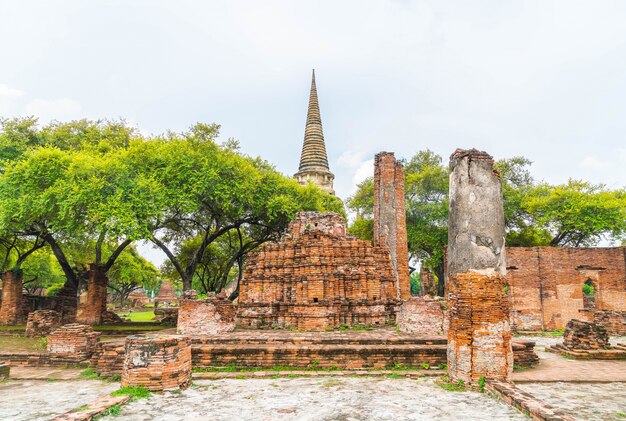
point(390, 217)
point(613, 321)
point(206, 317)
point(317, 277)
point(423, 316)
point(157, 363)
point(479, 334)
point(585, 335)
point(42, 322)
point(546, 284)
point(428, 282)
point(73, 341)
point(11, 307)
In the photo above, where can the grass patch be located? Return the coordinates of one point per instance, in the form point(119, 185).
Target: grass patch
point(89, 374)
point(11, 328)
point(141, 316)
point(83, 408)
point(621, 415)
point(19, 343)
point(447, 384)
point(442, 366)
point(233, 368)
point(135, 392)
point(114, 411)
point(357, 328)
point(553, 333)
point(394, 376)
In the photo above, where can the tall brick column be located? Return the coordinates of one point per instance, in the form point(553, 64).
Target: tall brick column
point(91, 311)
point(11, 308)
point(479, 335)
point(390, 217)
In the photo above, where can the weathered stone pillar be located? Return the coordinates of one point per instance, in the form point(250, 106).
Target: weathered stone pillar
point(91, 311)
point(390, 217)
point(479, 335)
point(158, 363)
point(11, 309)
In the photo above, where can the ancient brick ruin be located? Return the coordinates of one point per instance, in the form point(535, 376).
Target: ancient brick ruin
point(424, 316)
point(11, 307)
point(91, 309)
point(210, 316)
point(524, 354)
point(479, 335)
point(613, 321)
point(317, 277)
point(75, 342)
point(580, 334)
point(157, 363)
point(546, 286)
point(42, 322)
point(390, 217)
point(166, 296)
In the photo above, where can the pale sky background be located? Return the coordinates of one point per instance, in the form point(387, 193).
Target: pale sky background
point(542, 79)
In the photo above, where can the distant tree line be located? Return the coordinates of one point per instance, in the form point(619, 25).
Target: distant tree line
point(80, 193)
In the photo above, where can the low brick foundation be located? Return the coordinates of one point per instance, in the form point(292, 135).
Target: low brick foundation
point(206, 317)
point(524, 354)
point(613, 321)
point(108, 357)
point(479, 335)
point(166, 315)
point(422, 316)
point(42, 322)
point(73, 342)
point(157, 363)
point(585, 335)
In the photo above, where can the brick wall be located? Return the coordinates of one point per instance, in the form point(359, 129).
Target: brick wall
point(317, 278)
point(74, 341)
point(206, 317)
point(42, 322)
point(11, 308)
point(95, 305)
point(546, 283)
point(422, 316)
point(390, 217)
point(157, 363)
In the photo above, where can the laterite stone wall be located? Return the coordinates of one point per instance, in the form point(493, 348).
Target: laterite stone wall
point(206, 317)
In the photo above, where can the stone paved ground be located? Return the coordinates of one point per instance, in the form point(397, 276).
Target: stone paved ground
point(554, 367)
point(586, 402)
point(45, 373)
point(30, 400)
point(317, 399)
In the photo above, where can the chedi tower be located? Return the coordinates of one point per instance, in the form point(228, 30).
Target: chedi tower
point(314, 161)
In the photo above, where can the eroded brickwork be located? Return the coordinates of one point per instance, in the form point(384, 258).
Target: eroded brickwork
point(423, 316)
point(546, 284)
point(613, 321)
point(95, 305)
point(524, 354)
point(390, 217)
point(75, 341)
point(166, 296)
point(479, 334)
point(42, 322)
point(11, 308)
point(317, 277)
point(157, 363)
point(206, 317)
point(585, 335)
point(428, 282)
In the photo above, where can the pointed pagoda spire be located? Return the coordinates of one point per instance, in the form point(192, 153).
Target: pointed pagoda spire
point(313, 155)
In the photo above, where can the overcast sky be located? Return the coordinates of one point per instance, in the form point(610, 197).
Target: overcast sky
point(542, 79)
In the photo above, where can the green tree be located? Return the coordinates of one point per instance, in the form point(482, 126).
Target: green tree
point(130, 272)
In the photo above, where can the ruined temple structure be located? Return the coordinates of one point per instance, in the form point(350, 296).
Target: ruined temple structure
point(11, 306)
point(479, 334)
point(546, 287)
point(390, 217)
point(166, 295)
point(318, 277)
point(314, 161)
point(92, 308)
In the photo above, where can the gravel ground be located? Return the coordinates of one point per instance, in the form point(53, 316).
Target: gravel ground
point(328, 398)
point(31, 400)
point(584, 401)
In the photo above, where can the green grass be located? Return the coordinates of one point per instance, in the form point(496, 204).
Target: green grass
point(89, 374)
point(553, 333)
point(141, 316)
point(17, 328)
point(135, 392)
point(621, 415)
point(83, 408)
point(112, 410)
point(232, 368)
point(19, 343)
point(394, 376)
point(446, 384)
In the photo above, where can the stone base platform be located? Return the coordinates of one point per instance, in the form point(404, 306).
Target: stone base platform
point(350, 349)
point(613, 353)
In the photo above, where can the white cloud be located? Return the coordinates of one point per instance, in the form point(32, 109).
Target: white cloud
point(595, 163)
point(7, 91)
point(351, 159)
point(53, 109)
point(366, 169)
